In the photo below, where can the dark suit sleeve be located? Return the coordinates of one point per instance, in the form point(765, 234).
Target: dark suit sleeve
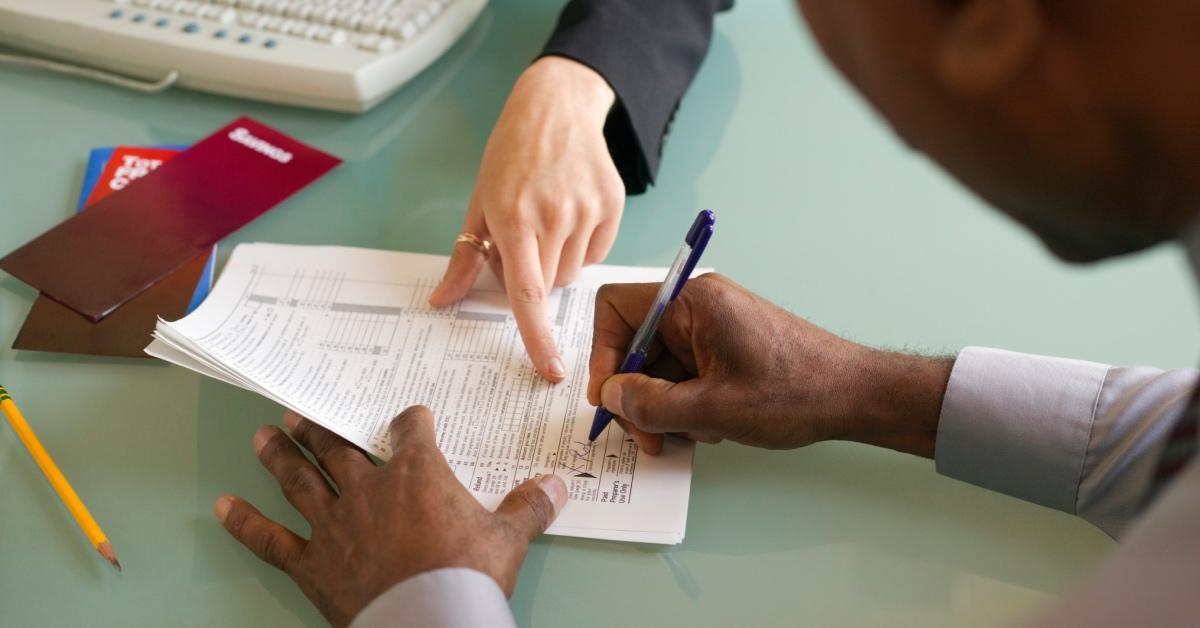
point(648, 51)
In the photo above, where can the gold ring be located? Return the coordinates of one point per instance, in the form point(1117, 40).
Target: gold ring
point(481, 245)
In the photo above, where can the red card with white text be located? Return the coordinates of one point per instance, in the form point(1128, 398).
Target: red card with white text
point(103, 257)
point(127, 164)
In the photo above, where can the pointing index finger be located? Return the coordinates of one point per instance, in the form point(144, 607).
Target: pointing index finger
point(528, 293)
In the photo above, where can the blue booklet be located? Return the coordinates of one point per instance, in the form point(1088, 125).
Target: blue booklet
point(97, 161)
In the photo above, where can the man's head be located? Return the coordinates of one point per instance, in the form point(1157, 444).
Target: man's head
point(1078, 118)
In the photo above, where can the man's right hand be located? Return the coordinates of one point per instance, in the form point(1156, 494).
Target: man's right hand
point(728, 364)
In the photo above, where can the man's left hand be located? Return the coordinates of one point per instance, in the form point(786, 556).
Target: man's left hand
point(378, 525)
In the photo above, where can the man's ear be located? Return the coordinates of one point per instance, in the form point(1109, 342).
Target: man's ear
point(987, 44)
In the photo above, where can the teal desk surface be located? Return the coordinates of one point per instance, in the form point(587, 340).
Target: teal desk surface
point(821, 210)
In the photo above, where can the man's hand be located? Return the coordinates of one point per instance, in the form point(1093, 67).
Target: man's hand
point(382, 524)
point(547, 195)
point(729, 364)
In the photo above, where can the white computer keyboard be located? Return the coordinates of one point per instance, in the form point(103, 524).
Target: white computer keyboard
point(346, 55)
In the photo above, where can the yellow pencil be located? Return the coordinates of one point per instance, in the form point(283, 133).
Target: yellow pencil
point(57, 480)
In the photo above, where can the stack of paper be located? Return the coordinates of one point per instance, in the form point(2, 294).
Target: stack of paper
point(345, 337)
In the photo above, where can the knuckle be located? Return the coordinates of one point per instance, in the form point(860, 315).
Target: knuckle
point(413, 461)
point(539, 506)
point(300, 481)
point(343, 457)
point(605, 293)
point(271, 450)
point(406, 415)
point(520, 217)
point(529, 293)
point(612, 202)
point(270, 548)
point(303, 432)
point(556, 220)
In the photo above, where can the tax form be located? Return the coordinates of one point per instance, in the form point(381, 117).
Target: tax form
point(345, 337)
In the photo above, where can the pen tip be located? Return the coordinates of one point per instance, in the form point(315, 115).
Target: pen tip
point(107, 552)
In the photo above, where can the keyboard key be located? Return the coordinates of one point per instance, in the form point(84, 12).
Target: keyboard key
point(270, 43)
point(273, 24)
point(299, 11)
point(162, 22)
point(402, 29)
point(249, 19)
point(191, 27)
point(338, 37)
point(139, 18)
point(423, 18)
point(348, 20)
point(142, 3)
point(375, 43)
point(296, 28)
point(221, 34)
point(333, 36)
point(374, 25)
point(324, 16)
point(116, 13)
point(245, 39)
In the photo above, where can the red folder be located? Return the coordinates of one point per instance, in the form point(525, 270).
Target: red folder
point(99, 259)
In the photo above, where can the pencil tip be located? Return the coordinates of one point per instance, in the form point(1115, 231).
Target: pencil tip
point(107, 552)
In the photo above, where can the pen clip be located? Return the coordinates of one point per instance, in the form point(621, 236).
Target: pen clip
point(697, 239)
point(706, 218)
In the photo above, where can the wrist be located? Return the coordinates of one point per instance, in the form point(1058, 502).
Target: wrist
point(901, 401)
point(571, 84)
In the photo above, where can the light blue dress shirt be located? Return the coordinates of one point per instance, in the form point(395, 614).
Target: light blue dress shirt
point(1077, 436)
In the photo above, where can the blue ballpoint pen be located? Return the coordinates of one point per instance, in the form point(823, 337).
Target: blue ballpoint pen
point(681, 269)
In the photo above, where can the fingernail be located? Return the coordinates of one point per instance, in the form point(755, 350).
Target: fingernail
point(554, 488)
point(291, 420)
point(556, 368)
point(262, 437)
point(221, 508)
point(610, 397)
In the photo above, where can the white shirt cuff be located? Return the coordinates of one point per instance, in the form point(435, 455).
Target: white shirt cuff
point(1019, 424)
point(442, 598)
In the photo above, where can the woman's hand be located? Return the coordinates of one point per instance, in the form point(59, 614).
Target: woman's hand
point(547, 196)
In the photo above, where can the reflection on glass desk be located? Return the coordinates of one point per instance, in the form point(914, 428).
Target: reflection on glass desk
point(822, 211)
